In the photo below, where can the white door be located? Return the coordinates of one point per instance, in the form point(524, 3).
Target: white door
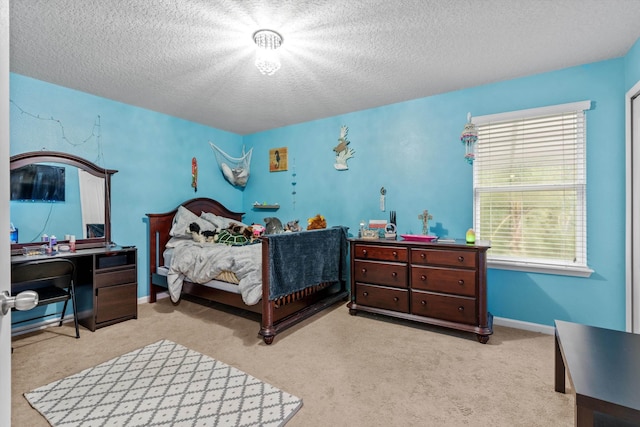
point(5, 263)
point(633, 208)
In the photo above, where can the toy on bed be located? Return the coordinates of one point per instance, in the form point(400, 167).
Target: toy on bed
point(202, 236)
point(316, 223)
point(237, 235)
point(273, 226)
point(258, 230)
point(286, 293)
point(293, 226)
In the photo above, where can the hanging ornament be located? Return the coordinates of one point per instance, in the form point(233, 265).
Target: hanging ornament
point(194, 174)
point(293, 184)
point(469, 138)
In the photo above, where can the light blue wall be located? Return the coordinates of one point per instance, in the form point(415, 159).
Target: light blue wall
point(410, 148)
point(632, 66)
point(413, 150)
point(152, 153)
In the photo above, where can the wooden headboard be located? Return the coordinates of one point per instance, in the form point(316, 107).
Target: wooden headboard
point(160, 225)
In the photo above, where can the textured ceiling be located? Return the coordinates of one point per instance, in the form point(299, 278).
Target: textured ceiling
point(195, 58)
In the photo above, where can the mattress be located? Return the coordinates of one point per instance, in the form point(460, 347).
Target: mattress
point(226, 280)
point(215, 284)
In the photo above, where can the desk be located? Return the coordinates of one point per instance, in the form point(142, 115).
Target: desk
point(604, 367)
point(106, 283)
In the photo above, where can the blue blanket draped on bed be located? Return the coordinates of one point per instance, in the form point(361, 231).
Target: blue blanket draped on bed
point(310, 257)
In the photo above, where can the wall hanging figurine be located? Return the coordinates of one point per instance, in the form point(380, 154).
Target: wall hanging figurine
point(235, 170)
point(469, 137)
point(194, 174)
point(343, 152)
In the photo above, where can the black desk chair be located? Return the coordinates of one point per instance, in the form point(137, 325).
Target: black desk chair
point(52, 279)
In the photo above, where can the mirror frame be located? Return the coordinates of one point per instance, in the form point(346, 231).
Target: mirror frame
point(31, 157)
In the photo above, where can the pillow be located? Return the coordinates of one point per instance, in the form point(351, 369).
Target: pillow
point(181, 221)
point(219, 221)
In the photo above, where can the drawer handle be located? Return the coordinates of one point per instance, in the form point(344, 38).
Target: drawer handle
point(394, 274)
point(461, 258)
point(395, 254)
point(365, 294)
point(461, 309)
point(423, 255)
point(461, 282)
point(364, 252)
point(396, 299)
point(423, 278)
point(364, 271)
point(423, 302)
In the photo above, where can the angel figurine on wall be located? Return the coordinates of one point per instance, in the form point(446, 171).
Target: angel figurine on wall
point(343, 152)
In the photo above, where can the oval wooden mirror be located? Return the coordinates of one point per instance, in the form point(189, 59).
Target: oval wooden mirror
point(55, 192)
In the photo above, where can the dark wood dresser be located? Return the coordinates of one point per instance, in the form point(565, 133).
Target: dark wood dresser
point(442, 284)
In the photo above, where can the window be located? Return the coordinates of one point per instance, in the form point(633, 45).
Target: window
point(529, 182)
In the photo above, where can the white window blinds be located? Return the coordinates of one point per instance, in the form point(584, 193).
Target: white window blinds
point(530, 188)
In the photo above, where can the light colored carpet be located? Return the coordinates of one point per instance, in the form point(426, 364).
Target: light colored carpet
point(163, 384)
point(362, 370)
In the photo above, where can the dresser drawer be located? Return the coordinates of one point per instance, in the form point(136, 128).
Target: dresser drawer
point(447, 280)
point(446, 307)
point(390, 274)
point(382, 297)
point(444, 257)
point(380, 253)
point(115, 277)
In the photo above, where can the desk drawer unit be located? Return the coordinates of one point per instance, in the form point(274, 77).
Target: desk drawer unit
point(117, 277)
point(441, 284)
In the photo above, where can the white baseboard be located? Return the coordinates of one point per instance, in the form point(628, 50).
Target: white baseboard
point(527, 326)
point(160, 295)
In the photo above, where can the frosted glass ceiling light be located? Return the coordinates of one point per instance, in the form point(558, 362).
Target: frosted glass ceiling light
point(267, 59)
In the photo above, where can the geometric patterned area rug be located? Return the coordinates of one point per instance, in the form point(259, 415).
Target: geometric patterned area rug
point(163, 384)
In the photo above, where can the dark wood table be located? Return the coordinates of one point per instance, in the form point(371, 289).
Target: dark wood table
point(604, 368)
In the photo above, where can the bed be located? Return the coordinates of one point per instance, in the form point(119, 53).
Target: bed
point(300, 274)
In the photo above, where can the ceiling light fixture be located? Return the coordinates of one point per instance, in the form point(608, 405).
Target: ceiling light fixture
point(267, 59)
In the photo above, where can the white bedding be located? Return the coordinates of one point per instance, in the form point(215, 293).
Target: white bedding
point(202, 262)
point(215, 284)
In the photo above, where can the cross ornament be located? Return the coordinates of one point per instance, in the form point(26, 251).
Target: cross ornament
point(425, 217)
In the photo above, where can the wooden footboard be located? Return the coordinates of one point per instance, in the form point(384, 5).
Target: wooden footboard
point(277, 314)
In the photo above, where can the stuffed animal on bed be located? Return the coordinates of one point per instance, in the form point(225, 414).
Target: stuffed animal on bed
point(240, 229)
point(273, 226)
point(316, 223)
point(293, 226)
point(201, 236)
point(258, 230)
point(237, 235)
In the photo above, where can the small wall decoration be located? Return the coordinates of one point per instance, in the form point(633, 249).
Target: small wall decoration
point(343, 152)
point(278, 160)
point(235, 170)
point(194, 174)
point(469, 137)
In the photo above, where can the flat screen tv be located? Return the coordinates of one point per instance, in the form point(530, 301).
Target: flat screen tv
point(38, 183)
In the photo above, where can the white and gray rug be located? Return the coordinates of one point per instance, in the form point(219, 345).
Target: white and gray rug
point(163, 384)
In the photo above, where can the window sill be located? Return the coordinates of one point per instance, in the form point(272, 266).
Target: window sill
point(540, 268)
